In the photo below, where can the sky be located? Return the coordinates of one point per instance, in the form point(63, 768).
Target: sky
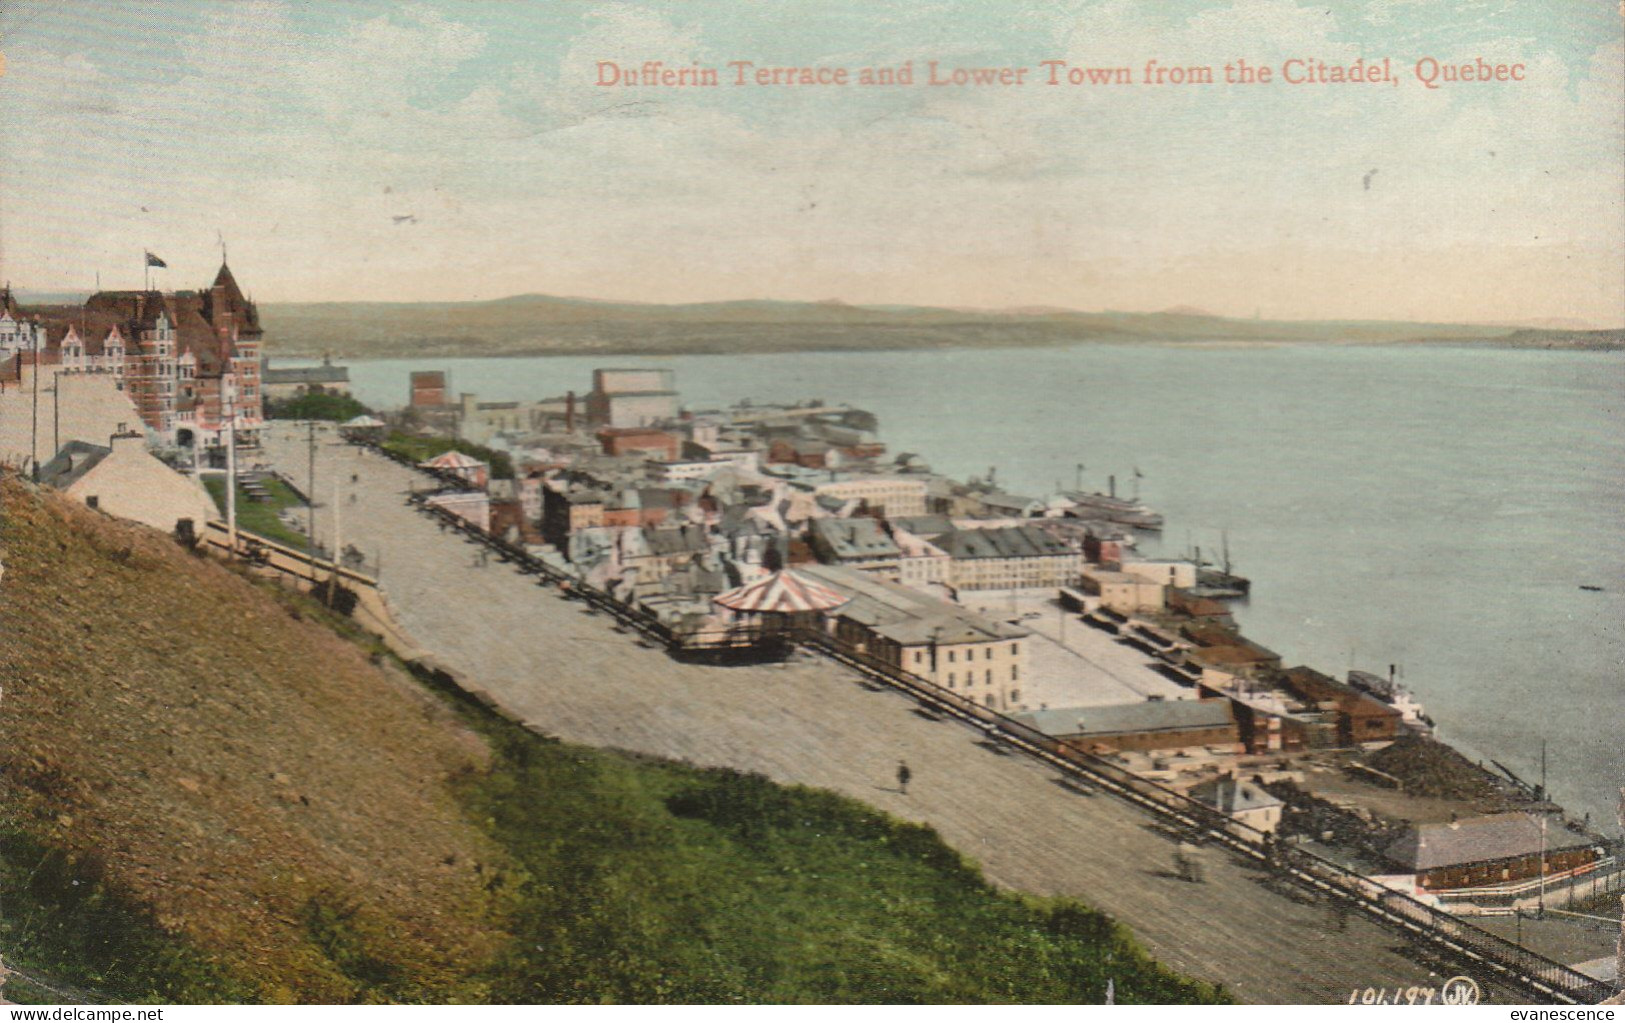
point(462, 151)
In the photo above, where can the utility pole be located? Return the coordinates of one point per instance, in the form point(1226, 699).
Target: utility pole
point(310, 499)
point(338, 506)
point(229, 392)
point(34, 440)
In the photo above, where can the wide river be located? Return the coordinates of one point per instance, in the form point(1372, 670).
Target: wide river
point(1437, 508)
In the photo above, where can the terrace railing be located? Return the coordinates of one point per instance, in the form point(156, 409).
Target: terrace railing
point(1475, 949)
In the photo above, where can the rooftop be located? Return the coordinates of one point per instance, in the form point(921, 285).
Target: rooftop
point(908, 616)
point(855, 539)
point(326, 373)
point(1011, 542)
point(1502, 836)
point(76, 458)
point(1149, 716)
point(1230, 795)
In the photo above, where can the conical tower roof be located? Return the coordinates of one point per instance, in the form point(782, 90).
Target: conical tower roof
point(783, 592)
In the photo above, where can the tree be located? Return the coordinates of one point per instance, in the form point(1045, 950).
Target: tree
point(336, 408)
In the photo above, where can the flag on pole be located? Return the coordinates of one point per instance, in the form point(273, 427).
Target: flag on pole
point(155, 261)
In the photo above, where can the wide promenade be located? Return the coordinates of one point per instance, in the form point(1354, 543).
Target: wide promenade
point(570, 673)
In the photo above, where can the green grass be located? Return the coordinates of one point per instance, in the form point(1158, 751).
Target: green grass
point(66, 921)
point(261, 518)
point(633, 880)
point(646, 881)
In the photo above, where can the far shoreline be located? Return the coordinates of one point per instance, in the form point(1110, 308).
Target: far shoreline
point(314, 355)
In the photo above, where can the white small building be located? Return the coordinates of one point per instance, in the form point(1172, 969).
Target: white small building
point(1241, 801)
point(123, 478)
point(923, 562)
point(1178, 574)
point(893, 497)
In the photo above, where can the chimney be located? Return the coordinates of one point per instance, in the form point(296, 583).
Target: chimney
point(570, 412)
point(1111, 484)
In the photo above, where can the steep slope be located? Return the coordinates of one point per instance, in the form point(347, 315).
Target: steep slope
point(247, 775)
point(212, 790)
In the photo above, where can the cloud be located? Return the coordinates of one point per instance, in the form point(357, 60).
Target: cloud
point(303, 131)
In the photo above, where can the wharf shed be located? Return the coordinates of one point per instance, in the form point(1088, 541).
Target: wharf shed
point(1492, 850)
point(1152, 725)
point(1361, 717)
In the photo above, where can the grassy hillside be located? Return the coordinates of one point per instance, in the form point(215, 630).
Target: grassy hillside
point(539, 324)
point(211, 790)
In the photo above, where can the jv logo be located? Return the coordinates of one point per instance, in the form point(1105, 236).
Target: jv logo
point(1459, 991)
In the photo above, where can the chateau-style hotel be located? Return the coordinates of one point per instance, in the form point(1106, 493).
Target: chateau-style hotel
point(189, 360)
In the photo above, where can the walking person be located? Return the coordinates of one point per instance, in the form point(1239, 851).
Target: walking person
point(903, 776)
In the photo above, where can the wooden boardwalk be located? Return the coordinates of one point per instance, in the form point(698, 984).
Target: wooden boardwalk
point(572, 674)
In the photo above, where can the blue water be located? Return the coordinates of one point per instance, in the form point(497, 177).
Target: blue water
point(1432, 507)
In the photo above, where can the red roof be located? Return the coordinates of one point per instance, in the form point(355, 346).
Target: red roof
point(785, 592)
point(453, 460)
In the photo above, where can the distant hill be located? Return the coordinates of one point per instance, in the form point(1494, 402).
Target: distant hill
point(212, 789)
point(545, 325)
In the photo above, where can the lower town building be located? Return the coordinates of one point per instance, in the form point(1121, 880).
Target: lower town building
point(1361, 717)
point(568, 509)
point(481, 422)
point(473, 506)
point(282, 384)
point(922, 563)
point(1244, 802)
point(1166, 573)
point(1495, 850)
point(649, 443)
point(1015, 557)
point(429, 389)
point(1151, 725)
point(632, 397)
point(860, 543)
point(978, 658)
point(889, 496)
point(1123, 592)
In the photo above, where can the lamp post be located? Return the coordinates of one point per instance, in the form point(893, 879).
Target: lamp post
point(310, 498)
